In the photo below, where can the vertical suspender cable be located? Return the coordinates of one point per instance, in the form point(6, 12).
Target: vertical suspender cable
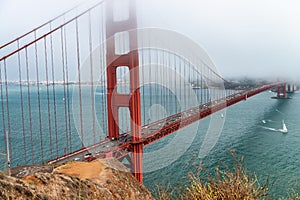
point(165, 64)
point(175, 84)
point(8, 113)
point(210, 90)
point(206, 84)
point(180, 83)
point(156, 85)
point(3, 111)
point(29, 106)
point(211, 93)
point(48, 98)
point(21, 101)
point(150, 73)
point(79, 82)
point(184, 85)
point(68, 90)
point(165, 82)
point(127, 115)
point(170, 82)
point(201, 79)
point(92, 79)
point(39, 98)
point(102, 86)
point(190, 79)
point(143, 85)
point(64, 86)
point(215, 86)
point(159, 64)
point(103, 75)
point(53, 92)
point(165, 90)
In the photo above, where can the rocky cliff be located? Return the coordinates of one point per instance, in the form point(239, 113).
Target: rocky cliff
point(100, 179)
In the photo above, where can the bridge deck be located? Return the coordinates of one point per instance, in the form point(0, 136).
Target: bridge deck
point(122, 146)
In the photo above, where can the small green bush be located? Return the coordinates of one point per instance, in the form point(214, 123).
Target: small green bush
point(226, 184)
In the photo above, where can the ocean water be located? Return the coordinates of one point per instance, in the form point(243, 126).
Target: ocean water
point(49, 127)
point(250, 129)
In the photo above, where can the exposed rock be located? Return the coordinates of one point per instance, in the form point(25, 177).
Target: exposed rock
point(100, 179)
point(22, 171)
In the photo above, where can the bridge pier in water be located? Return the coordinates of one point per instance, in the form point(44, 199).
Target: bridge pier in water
point(281, 91)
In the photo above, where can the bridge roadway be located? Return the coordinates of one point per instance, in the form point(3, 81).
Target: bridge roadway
point(121, 147)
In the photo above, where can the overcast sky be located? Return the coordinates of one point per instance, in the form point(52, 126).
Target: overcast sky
point(254, 38)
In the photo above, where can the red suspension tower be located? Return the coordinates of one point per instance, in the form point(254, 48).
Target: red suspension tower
point(281, 91)
point(128, 59)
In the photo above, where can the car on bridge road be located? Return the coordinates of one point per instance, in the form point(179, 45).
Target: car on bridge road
point(76, 159)
point(88, 155)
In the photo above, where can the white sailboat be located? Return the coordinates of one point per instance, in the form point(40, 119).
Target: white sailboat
point(284, 129)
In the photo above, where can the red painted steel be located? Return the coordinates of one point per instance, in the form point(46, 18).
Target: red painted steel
point(175, 122)
point(116, 100)
point(281, 91)
point(43, 35)
point(202, 111)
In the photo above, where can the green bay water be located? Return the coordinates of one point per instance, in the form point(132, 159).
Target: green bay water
point(248, 129)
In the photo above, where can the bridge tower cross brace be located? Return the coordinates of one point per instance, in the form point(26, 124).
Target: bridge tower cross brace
point(117, 100)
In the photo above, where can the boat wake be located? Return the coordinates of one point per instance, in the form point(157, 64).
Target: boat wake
point(271, 129)
point(279, 111)
point(282, 130)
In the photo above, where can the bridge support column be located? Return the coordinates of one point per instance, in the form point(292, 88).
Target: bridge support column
point(128, 59)
point(281, 91)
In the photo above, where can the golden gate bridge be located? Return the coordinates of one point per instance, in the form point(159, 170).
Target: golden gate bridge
point(89, 84)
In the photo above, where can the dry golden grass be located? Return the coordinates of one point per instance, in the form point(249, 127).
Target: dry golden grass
point(82, 170)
